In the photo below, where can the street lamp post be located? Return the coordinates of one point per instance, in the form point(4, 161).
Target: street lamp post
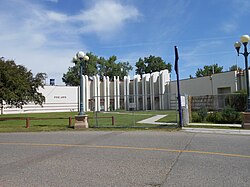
point(81, 120)
point(244, 39)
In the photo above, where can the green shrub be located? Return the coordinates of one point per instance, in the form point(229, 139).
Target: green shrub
point(203, 113)
point(237, 100)
point(214, 117)
point(229, 115)
point(196, 117)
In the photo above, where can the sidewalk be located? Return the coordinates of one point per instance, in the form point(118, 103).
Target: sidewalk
point(205, 127)
point(154, 119)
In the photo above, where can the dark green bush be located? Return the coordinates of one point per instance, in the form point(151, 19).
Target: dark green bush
point(214, 117)
point(196, 117)
point(229, 115)
point(203, 113)
point(237, 100)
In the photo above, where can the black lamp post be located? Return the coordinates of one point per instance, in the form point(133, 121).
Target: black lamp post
point(244, 39)
point(82, 59)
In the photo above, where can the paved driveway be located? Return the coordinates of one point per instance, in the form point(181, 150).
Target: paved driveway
point(132, 158)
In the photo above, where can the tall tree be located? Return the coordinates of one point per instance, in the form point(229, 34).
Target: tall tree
point(151, 64)
point(234, 68)
point(97, 66)
point(111, 68)
point(140, 67)
point(18, 86)
point(72, 77)
point(209, 70)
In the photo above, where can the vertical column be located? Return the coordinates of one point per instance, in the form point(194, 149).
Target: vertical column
point(165, 84)
point(83, 93)
point(115, 96)
point(98, 92)
point(153, 80)
point(86, 93)
point(95, 92)
point(118, 92)
point(105, 93)
point(125, 91)
point(161, 90)
point(136, 90)
point(127, 85)
point(151, 91)
point(143, 93)
point(108, 93)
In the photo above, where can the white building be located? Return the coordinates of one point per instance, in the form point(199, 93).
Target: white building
point(152, 91)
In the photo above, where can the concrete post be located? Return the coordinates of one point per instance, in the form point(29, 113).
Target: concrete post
point(98, 92)
point(115, 96)
point(118, 92)
point(87, 93)
point(105, 93)
point(108, 93)
point(95, 92)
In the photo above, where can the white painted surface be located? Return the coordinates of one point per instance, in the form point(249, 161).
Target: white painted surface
point(153, 89)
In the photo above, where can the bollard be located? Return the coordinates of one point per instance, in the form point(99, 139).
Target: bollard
point(70, 121)
point(27, 122)
point(113, 120)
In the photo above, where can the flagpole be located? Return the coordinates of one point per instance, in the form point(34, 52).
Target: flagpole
point(178, 85)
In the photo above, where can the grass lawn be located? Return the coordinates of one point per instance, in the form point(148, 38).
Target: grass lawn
point(122, 119)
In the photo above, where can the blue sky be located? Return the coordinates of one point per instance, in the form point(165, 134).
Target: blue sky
point(44, 35)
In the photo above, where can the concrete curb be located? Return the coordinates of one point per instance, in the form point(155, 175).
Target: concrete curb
point(215, 125)
point(216, 131)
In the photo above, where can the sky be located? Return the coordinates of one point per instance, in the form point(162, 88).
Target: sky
point(44, 35)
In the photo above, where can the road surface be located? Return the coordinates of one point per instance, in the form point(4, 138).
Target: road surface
point(124, 158)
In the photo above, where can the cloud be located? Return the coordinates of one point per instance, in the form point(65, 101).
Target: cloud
point(239, 10)
point(105, 17)
point(30, 19)
point(201, 53)
point(57, 17)
point(45, 40)
point(240, 7)
point(38, 38)
point(229, 27)
point(53, 1)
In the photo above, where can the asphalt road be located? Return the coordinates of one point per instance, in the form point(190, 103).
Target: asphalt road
point(131, 158)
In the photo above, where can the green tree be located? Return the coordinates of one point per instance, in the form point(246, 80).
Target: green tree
point(18, 86)
point(97, 66)
point(111, 68)
point(124, 68)
point(72, 77)
point(108, 67)
point(209, 70)
point(151, 64)
point(140, 67)
point(234, 68)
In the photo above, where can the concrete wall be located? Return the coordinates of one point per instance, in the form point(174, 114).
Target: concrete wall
point(150, 92)
point(208, 85)
point(57, 98)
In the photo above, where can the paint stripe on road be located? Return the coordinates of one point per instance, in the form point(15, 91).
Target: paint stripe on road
point(127, 147)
